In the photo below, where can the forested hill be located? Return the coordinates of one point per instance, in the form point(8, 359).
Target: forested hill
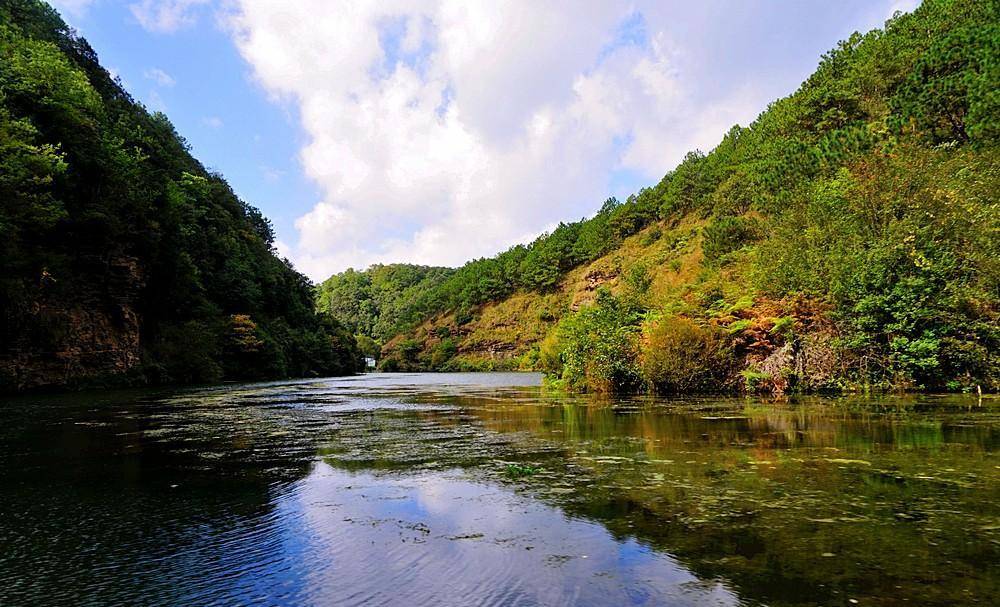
point(122, 258)
point(849, 238)
point(378, 301)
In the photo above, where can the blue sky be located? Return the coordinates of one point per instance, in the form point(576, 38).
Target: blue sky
point(434, 132)
point(209, 95)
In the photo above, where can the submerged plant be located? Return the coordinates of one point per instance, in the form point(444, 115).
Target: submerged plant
point(520, 470)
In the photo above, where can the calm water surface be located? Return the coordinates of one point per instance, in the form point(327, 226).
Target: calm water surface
point(409, 489)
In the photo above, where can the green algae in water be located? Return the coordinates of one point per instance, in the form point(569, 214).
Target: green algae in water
point(888, 501)
point(320, 491)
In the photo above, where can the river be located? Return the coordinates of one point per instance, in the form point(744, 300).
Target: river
point(481, 489)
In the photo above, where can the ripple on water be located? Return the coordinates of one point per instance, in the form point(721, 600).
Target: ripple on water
point(454, 489)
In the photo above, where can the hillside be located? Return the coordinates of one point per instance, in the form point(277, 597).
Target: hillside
point(849, 238)
point(374, 302)
point(123, 259)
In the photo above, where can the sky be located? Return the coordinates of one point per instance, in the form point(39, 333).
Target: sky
point(435, 132)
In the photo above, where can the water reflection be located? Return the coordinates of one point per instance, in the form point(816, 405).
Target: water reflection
point(816, 501)
point(394, 489)
point(438, 538)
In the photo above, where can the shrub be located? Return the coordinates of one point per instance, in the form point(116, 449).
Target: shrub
point(755, 381)
point(546, 315)
point(728, 234)
point(463, 317)
point(549, 357)
point(390, 364)
point(595, 348)
point(187, 352)
point(784, 326)
point(408, 350)
point(638, 279)
point(442, 353)
point(739, 326)
point(679, 356)
point(651, 236)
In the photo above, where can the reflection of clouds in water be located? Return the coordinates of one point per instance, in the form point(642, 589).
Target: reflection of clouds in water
point(216, 496)
point(439, 539)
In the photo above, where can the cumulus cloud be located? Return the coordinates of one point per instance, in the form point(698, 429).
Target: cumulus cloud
point(443, 131)
point(212, 122)
point(166, 16)
point(159, 77)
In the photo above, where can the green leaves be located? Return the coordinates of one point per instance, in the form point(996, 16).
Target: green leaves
point(106, 217)
point(729, 234)
point(872, 191)
point(952, 92)
point(598, 346)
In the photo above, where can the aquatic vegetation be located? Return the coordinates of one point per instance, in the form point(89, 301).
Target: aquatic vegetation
point(813, 495)
point(787, 502)
point(520, 470)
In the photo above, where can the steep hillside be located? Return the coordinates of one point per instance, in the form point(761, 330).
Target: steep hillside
point(122, 257)
point(506, 334)
point(849, 238)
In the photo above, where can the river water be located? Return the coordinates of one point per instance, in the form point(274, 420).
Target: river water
point(481, 489)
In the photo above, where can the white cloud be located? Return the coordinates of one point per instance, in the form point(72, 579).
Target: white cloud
point(77, 8)
point(155, 102)
point(212, 122)
point(903, 6)
point(282, 249)
point(159, 77)
point(500, 119)
point(115, 74)
point(166, 16)
point(271, 174)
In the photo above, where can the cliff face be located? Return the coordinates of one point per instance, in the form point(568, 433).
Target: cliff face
point(95, 336)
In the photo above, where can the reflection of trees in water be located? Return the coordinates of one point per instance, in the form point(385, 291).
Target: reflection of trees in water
point(118, 500)
point(802, 503)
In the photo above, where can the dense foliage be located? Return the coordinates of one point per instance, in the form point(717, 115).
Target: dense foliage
point(105, 213)
point(374, 303)
point(873, 188)
point(388, 299)
point(848, 238)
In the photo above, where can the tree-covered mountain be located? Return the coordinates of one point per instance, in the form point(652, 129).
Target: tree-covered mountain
point(848, 238)
point(378, 301)
point(122, 257)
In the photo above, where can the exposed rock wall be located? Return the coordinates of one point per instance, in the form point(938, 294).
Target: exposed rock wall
point(89, 335)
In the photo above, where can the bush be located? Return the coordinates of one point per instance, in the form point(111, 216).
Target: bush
point(463, 317)
point(187, 353)
point(409, 348)
point(595, 349)
point(679, 356)
point(651, 236)
point(442, 353)
point(728, 234)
